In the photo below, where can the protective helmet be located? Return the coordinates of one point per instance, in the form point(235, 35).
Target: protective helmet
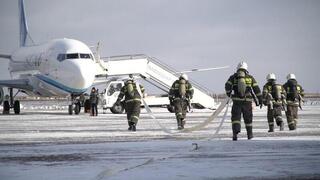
point(242, 65)
point(291, 76)
point(271, 76)
point(184, 76)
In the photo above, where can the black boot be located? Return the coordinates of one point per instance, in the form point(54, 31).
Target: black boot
point(281, 126)
point(292, 127)
point(249, 132)
point(179, 122)
point(234, 137)
point(130, 126)
point(271, 129)
point(133, 127)
point(183, 122)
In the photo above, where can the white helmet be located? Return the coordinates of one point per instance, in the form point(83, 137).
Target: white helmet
point(291, 76)
point(184, 76)
point(242, 65)
point(271, 76)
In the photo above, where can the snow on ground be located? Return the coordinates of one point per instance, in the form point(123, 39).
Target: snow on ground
point(47, 143)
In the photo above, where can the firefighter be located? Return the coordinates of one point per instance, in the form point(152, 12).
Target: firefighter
point(245, 89)
point(94, 102)
point(274, 97)
point(180, 94)
point(294, 98)
point(132, 101)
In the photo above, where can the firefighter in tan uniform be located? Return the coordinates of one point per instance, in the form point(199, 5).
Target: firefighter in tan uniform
point(132, 101)
point(180, 94)
point(245, 89)
point(295, 95)
point(274, 97)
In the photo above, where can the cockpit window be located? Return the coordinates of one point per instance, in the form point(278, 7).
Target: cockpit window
point(73, 56)
point(62, 57)
point(85, 56)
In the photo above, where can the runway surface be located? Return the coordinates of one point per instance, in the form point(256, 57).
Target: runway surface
point(44, 142)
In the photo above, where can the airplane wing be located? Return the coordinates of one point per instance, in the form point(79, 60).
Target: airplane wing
point(22, 84)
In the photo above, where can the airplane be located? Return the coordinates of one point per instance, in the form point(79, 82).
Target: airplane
point(60, 67)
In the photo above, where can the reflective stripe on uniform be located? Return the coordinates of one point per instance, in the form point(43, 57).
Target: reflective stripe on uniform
point(241, 99)
point(229, 82)
point(271, 123)
point(249, 125)
point(135, 99)
point(259, 94)
point(255, 84)
point(135, 117)
point(236, 122)
point(292, 122)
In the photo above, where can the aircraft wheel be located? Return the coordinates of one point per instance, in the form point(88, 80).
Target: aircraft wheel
point(16, 107)
point(117, 109)
point(77, 108)
point(6, 107)
point(70, 109)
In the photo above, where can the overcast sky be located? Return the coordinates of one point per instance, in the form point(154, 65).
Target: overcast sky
point(279, 36)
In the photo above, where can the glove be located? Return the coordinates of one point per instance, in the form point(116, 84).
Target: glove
point(229, 94)
point(261, 105)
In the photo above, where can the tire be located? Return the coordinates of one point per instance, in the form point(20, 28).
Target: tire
point(16, 107)
point(77, 108)
point(170, 108)
point(87, 106)
point(6, 107)
point(117, 109)
point(70, 109)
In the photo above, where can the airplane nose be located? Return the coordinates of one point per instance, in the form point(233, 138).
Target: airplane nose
point(86, 74)
point(80, 74)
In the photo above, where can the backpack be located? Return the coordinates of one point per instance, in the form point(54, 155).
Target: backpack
point(293, 91)
point(182, 88)
point(242, 86)
point(276, 91)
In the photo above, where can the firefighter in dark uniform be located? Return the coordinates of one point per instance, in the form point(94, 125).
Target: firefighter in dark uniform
point(295, 95)
point(180, 94)
point(274, 97)
point(132, 101)
point(94, 101)
point(245, 89)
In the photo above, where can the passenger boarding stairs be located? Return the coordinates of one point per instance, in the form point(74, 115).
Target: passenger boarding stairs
point(156, 73)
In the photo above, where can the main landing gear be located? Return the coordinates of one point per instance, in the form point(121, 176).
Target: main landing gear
point(10, 103)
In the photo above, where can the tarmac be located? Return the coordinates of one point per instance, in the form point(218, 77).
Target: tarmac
point(44, 142)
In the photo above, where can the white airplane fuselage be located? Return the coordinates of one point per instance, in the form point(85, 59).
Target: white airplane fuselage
point(58, 68)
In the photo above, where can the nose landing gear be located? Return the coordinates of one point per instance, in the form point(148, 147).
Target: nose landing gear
point(74, 106)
